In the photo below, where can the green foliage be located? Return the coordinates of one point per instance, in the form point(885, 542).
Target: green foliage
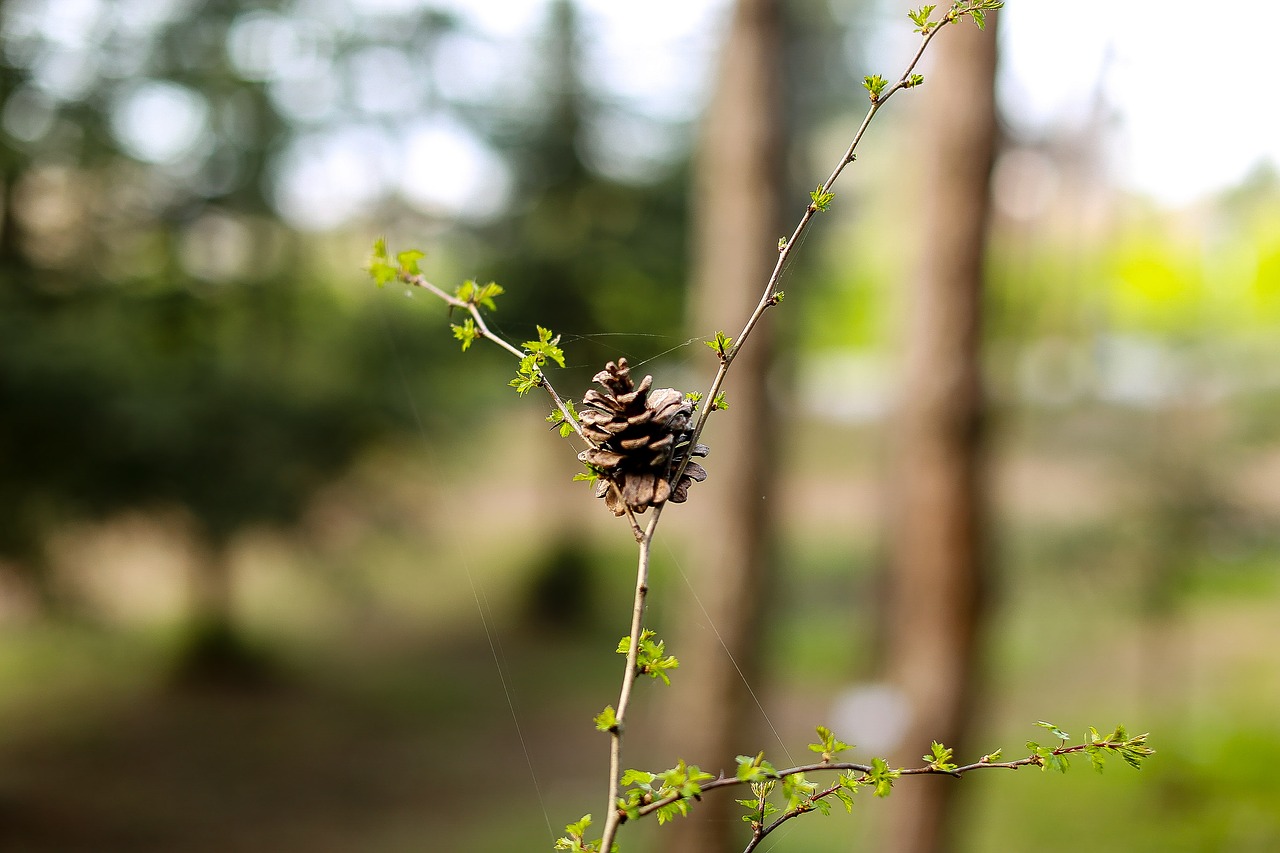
point(380, 268)
point(939, 758)
point(799, 792)
point(759, 809)
point(1132, 750)
point(828, 745)
point(680, 787)
point(651, 658)
point(753, 769)
point(875, 85)
point(606, 720)
point(467, 332)
point(881, 777)
point(920, 17)
point(545, 348)
point(913, 81)
point(720, 343)
point(720, 403)
point(590, 475)
point(408, 261)
point(976, 9)
point(821, 198)
point(481, 295)
point(565, 425)
point(694, 397)
point(574, 838)
point(1054, 730)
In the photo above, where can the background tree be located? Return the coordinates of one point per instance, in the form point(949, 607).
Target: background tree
point(738, 197)
point(936, 534)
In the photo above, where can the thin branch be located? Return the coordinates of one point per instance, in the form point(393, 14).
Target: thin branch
point(418, 280)
point(864, 769)
point(614, 818)
point(769, 296)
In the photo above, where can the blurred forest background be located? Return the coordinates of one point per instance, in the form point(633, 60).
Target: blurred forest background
point(281, 569)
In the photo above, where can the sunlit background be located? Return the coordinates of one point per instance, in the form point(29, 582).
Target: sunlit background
point(281, 568)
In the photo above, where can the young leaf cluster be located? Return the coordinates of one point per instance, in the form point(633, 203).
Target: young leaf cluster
point(676, 789)
point(1132, 750)
point(875, 85)
point(820, 199)
point(574, 838)
point(537, 354)
point(651, 657)
point(828, 745)
point(721, 344)
point(565, 426)
point(481, 295)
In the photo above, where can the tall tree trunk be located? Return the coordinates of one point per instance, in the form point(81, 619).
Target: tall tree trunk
point(936, 524)
point(736, 213)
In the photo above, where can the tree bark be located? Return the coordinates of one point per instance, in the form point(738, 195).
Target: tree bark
point(738, 192)
point(936, 507)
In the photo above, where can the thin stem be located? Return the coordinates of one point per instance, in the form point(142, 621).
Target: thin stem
point(613, 818)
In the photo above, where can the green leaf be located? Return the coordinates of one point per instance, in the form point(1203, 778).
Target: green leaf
point(914, 80)
point(720, 403)
point(607, 721)
point(467, 332)
point(485, 295)
point(720, 343)
point(694, 397)
point(638, 777)
point(1057, 732)
point(408, 260)
point(545, 348)
point(591, 475)
point(573, 838)
point(821, 198)
point(990, 757)
point(875, 85)
point(563, 424)
point(940, 757)
point(528, 376)
point(828, 745)
point(754, 769)
point(381, 270)
point(920, 17)
point(881, 777)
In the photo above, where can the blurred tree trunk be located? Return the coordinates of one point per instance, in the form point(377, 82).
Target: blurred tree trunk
point(936, 512)
point(215, 653)
point(738, 190)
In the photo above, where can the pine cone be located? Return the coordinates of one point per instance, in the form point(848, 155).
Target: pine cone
point(641, 437)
